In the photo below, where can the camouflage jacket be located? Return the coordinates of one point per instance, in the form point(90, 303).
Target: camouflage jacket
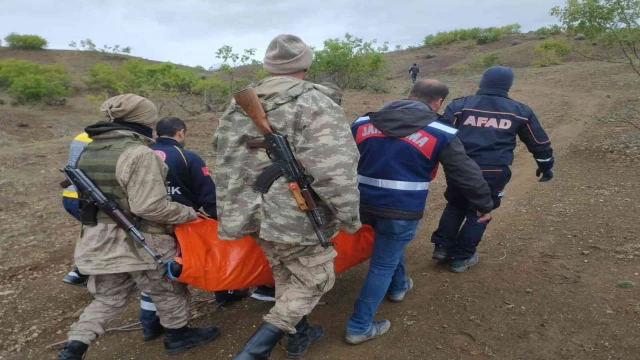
point(105, 248)
point(320, 138)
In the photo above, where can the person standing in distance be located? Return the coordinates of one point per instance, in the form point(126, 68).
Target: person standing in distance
point(488, 125)
point(400, 147)
point(121, 164)
point(414, 71)
point(320, 139)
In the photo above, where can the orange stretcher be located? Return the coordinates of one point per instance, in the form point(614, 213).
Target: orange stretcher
point(212, 264)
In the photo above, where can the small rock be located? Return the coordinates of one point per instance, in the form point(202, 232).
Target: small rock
point(580, 37)
point(430, 55)
point(586, 252)
point(529, 291)
point(8, 292)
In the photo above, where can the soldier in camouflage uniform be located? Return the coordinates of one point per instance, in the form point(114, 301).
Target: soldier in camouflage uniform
point(321, 141)
point(121, 164)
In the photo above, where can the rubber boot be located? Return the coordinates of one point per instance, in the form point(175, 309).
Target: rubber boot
point(177, 341)
point(260, 343)
point(298, 343)
point(152, 332)
point(73, 350)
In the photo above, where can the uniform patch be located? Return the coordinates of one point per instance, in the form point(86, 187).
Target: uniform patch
point(367, 131)
point(161, 153)
point(423, 141)
point(205, 171)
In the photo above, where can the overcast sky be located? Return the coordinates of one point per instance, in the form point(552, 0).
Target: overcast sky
point(190, 31)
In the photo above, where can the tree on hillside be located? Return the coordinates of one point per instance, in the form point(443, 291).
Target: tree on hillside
point(232, 60)
point(613, 22)
point(350, 63)
point(89, 45)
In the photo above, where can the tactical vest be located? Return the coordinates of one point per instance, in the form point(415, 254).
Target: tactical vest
point(98, 162)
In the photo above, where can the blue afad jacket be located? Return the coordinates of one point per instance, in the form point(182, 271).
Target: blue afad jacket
point(400, 148)
point(188, 179)
point(489, 123)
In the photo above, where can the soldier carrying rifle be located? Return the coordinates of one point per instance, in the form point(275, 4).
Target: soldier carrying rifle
point(307, 134)
point(129, 176)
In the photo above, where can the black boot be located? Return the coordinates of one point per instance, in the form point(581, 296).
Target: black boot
point(260, 343)
point(180, 340)
point(298, 343)
point(73, 350)
point(152, 332)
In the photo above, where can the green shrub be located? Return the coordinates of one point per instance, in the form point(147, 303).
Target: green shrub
point(550, 30)
point(26, 82)
point(260, 74)
point(482, 61)
point(104, 77)
point(543, 58)
point(47, 88)
point(561, 47)
point(478, 35)
point(26, 42)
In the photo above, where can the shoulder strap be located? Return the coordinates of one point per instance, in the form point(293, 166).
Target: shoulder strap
point(182, 154)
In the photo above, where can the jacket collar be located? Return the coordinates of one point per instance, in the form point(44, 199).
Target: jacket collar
point(493, 92)
point(167, 141)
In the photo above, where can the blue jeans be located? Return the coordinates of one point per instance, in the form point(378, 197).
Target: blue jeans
point(386, 269)
point(72, 205)
point(459, 230)
point(414, 77)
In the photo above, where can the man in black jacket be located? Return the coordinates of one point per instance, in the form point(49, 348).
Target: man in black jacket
point(488, 125)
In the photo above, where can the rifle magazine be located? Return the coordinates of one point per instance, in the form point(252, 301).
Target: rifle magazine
point(266, 179)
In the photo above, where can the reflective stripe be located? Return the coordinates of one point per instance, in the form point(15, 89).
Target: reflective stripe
point(544, 160)
point(70, 194)
point(364, 118)
point(393, 184)
point(146, 303)
point(445, 128)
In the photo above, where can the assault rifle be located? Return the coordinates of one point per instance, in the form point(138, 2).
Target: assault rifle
point(94, 196)
point(284, 162)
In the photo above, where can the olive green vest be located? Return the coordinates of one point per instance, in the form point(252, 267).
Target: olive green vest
point(98, 162)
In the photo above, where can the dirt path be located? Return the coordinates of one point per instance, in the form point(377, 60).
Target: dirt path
point(546, 287)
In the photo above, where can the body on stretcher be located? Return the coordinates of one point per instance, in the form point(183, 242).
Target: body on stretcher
point(212, 264)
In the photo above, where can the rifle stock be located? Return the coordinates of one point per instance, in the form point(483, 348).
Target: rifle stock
point(249, 102)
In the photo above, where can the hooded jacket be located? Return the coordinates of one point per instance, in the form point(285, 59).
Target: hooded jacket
point(400, 148)
point(105, 248)
point(318, 133)
point(489, 123)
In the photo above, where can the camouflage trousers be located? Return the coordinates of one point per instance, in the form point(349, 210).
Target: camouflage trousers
point(302, 273)
point(111, 293)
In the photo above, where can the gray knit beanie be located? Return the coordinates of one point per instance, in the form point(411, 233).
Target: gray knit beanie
point(287, 54)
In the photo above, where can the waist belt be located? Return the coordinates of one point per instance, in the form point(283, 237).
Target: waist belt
point(141, 225)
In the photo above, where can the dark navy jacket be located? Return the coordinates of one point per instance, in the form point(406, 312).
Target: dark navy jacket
point(400, 148)
point(489, 123)
point(188, 179)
